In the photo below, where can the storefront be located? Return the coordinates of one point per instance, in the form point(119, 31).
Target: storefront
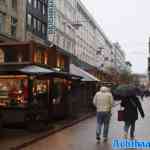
point(31, 93)
point(13, 90)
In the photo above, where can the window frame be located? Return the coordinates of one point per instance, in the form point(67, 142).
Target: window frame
point(35, 3)
point(13, 26)
point(14, 4)
point(2, 25)
point(28, 19)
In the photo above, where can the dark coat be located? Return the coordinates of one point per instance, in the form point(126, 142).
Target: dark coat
point(131, 107)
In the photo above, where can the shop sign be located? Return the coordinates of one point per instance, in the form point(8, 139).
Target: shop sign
point(51, 16)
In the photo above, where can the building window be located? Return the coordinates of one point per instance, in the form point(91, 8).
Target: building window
point(39, 57)
point(13, 26)
point(39, 26)
point(39, 5)
point(43, 29)
point(2, 1)
point(35, 24)
point(68, 45)
point(106, 58)
point(44, 10)
point(30, 1)
point(45, 1)
point(14, 4)
point(35, 3)
point(1, 22)
point(64, 41)
point(58, 39)
point(102, 65)
point(29, 20)
point(99, 52)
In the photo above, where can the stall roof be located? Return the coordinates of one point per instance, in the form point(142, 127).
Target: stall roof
point(33, 69)
point(78, 71)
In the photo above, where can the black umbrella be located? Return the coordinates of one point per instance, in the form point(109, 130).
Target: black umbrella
point(124, 90)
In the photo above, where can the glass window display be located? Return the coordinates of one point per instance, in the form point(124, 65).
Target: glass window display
point(13, 91)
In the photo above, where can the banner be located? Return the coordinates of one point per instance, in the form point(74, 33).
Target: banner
point(51, 16)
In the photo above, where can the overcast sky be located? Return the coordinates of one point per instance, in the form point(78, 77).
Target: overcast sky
point(128, 22)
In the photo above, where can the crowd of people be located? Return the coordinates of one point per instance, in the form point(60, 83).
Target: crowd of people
point(103, 101)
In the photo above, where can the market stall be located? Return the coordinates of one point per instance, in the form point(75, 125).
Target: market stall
point(28, 95)
point(86, 89)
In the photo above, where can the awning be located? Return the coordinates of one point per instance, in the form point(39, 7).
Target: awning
point(37, 70)
point(86, 76)
point(33, 69)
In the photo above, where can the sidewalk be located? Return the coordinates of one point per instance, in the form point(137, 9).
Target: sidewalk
point(16, 138)
point(19, 138)
point(82, 135)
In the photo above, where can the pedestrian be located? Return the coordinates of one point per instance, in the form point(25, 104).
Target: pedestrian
point(131, 106)
point(103, 102)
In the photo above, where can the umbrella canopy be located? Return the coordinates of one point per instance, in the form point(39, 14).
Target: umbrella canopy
point(124, 90)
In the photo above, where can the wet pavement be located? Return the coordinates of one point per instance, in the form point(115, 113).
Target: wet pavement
point(82, 135)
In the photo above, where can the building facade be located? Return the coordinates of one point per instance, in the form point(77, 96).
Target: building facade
point(119, 57)
point(60, 19)
point(10, 20)
point(73, 28)
point(67, 24)
point(36, 20)
point(23, 20)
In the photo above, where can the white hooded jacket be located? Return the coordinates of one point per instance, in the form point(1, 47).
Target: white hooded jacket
point(103, 100)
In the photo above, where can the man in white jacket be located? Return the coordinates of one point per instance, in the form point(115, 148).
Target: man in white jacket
point(103, 101)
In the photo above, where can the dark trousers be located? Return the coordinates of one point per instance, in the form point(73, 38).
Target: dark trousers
point(103, 118)
point(131, 125)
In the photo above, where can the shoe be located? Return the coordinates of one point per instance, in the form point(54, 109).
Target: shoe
point(97, 138)
point(105, 139)
point(125, 135)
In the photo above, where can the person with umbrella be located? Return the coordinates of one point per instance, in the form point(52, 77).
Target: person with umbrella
point(131, 105)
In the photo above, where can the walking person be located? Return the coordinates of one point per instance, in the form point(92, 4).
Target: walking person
point(103, 102)
point(131, 106)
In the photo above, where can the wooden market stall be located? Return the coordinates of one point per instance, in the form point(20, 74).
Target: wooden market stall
point(87, 88)
point(28, 94)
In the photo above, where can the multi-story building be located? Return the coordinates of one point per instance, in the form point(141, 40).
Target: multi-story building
point(73, 28)
point(23, 20)
point(105, 52)
point(119, 57)
point(36, 20)
point(70, 27)
point(9, 20)
point(60, 20)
